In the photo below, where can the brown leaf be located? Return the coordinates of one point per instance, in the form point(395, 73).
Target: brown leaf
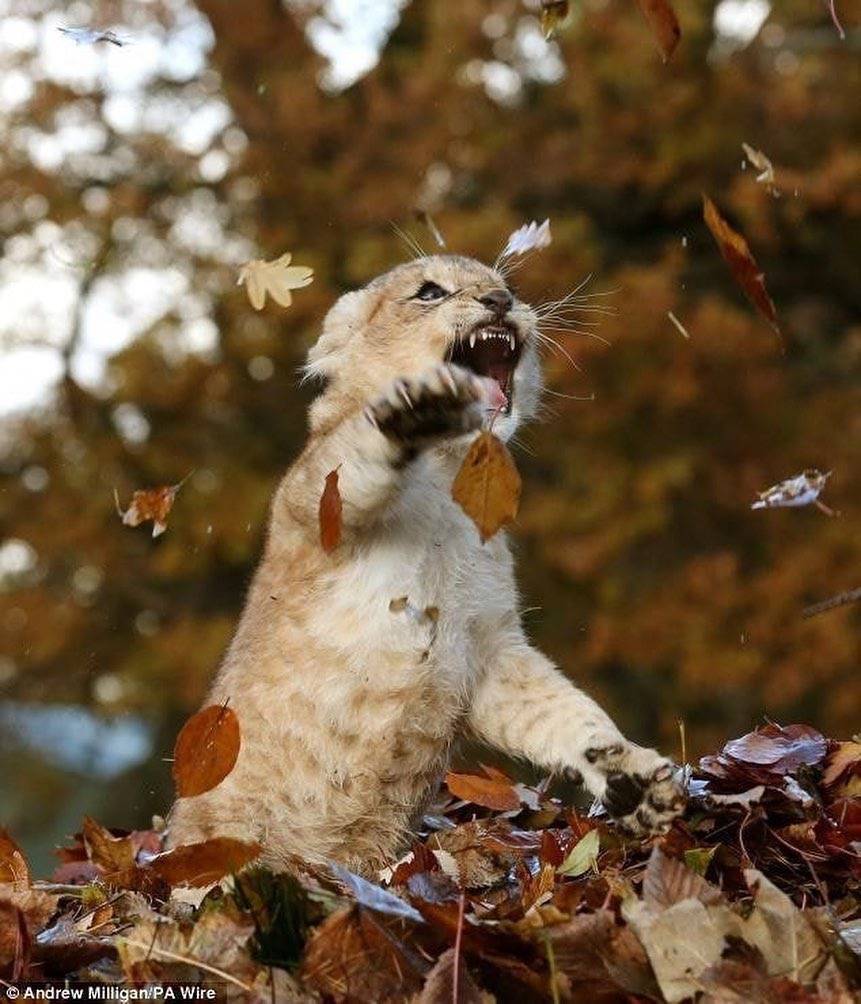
point(206, 750)
point(554, 14)
point(204, 863)
point(113, 855)
point(150, 503)
point(13, 864)
point(353, 956)
point(845, 758)
point(737, 255)
point(439, 986)
point(664, 25)
point(667, 881)
point(781, 749)
point(14, 942)
point(331, 511)
point(487, 486)
point(493, 792)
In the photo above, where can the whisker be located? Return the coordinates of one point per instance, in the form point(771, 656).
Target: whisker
point(412, 244)
point(571, 329)
point(544, 339)
point(568, 397)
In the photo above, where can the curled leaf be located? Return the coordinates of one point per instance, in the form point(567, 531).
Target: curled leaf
point(487, 486)
point(331, 513)
point(204, 863)
point(150, 503)
point(206, 750)
point(736, 253)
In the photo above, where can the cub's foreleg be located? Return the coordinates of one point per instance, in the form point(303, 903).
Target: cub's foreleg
point(524, 706)
point(370, 448)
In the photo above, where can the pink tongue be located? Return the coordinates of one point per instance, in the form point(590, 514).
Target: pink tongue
point(493, 394)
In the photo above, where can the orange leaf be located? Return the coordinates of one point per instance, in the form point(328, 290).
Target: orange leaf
point(743, 266)
point(114, 855)
point(487, 486)
point(13, 864)
point(150, 503)
point(496, 792)
point(204, 863)
point(664, 25)
point(206, 750)
point(330, 513)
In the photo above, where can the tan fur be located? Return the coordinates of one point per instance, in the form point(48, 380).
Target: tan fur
point(349, 709)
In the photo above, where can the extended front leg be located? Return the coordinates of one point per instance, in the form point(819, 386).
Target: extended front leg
point(524, 706)
point(371, 448)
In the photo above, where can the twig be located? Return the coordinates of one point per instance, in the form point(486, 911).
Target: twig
point(551, 962)
point(190, 961)
point(840, 600)
point(678, 324)
point(455, 981)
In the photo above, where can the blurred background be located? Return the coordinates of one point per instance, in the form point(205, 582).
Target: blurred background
point(136, 179)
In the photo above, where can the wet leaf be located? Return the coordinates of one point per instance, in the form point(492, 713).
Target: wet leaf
point(493, 791)
point(204, 863)
point(487, 486)
point(331, 510)
point(373, 896)
point(13, 864)
point(737, 254)
point(206, 750)
point(150, 503)
point(664, 24)
point(583, 856)
point(277, 278)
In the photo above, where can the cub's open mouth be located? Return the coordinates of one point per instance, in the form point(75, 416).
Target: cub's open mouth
point(490, 350)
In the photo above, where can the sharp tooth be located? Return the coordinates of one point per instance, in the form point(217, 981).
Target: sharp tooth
point(472, 340)
point(511, 342)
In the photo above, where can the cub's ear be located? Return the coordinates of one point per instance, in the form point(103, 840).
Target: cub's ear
point(343, 321)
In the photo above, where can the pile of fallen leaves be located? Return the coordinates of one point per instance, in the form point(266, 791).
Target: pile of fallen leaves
point(509, 895)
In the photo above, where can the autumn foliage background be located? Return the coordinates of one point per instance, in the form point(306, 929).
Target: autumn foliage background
point(644, 572)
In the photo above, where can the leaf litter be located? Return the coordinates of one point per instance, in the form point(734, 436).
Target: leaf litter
point(744, 899)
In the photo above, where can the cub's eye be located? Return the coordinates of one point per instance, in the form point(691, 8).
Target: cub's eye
point(429, 291)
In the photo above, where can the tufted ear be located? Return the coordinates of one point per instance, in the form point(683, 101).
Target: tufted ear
point(346, 317)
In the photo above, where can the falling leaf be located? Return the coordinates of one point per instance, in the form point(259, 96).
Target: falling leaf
point(206, 750)
point(583, 856)
point(331, 511)
point(115, 856)
point(276, 278)
point(736, 252)
point(487, 486)
point(13, 864)
point(89, 36)
point(800, 490)
point(832, 603)
point(554, 14)
point(150, 503)
point(492, 792)
point(373, 896)
point(761, 163)
point(664, 25)
point(204, 863)
point(529, 237)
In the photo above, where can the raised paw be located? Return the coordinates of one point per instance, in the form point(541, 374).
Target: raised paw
point(640, 792)
point(444, 401)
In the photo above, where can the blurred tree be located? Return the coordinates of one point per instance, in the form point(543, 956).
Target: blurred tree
point(656, 586)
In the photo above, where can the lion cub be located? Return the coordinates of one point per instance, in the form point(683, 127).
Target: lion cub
point(349, 703)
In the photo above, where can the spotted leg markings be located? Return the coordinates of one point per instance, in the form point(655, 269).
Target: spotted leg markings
point(640, 792)
point(444, 401)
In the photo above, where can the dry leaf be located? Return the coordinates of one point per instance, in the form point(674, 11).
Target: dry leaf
point(529, 237)
point(667, 881)
point(276, 278)
point(664, 25)
point(583, 856)
point(13, 864)
point(491, 792)
point(439, 987)
point(758, 160)
point(554, 14)
point(800, 490)
point(373, 896)
point(150, 503)
point(331, 512)
point(115, 856)
point(846, 757)
point(204, 863)
point(206, 750)
point(743, 266)
point(487, 486)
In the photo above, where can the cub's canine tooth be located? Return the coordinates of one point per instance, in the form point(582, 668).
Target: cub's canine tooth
point(472, 340)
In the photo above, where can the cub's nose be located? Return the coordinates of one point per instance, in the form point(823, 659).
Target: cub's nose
point(497, 300)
